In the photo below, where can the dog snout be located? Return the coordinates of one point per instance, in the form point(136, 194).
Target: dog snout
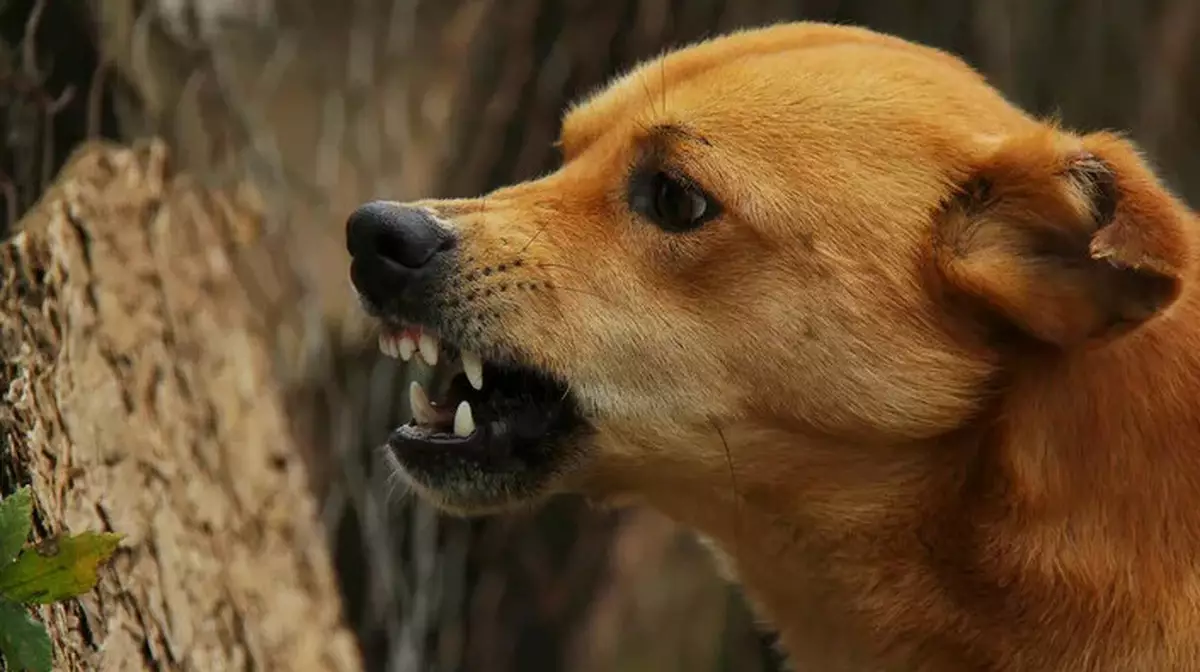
point(391, 245)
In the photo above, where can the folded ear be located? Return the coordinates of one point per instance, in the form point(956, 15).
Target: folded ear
point(1065, 238)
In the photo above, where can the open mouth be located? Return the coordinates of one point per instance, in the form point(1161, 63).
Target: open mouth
point(481, 426)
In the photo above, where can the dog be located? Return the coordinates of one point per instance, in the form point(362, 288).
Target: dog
point(923, 368)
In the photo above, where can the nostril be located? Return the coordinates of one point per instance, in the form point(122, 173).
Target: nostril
point(396, 235)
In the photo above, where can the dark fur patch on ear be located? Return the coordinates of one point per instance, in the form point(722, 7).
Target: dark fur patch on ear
point(977, 195)
point(1096, 178)
point(1062, 242)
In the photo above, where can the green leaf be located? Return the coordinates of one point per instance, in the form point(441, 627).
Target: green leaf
point(57, 569)
point(24, 643)
point(16, 518)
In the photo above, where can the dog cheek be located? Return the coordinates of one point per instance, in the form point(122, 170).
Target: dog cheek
point(864, 382)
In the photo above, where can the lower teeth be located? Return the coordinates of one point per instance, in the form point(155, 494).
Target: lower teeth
point(428, 416)
point(464, 421)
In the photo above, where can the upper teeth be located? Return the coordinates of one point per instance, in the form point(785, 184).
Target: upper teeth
point(397, 344)
point(473, 368)
point(388, 344)
point(404, 344)
point(429, 348)
point(405, 347)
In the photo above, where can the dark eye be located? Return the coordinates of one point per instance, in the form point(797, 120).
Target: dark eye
point(672, 204)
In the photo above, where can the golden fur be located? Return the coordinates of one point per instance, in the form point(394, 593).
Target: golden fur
point(931, 380)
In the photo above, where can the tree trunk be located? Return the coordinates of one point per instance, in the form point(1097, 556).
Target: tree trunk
point(140, 399)
point(286, 114)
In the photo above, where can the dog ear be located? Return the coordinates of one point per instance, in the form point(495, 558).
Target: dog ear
point(1066, 238)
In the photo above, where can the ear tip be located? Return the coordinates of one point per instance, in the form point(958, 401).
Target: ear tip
point(1148, 227)
point(1117, 245)
point(1074, 236)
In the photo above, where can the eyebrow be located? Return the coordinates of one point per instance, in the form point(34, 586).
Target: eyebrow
point(675, 131)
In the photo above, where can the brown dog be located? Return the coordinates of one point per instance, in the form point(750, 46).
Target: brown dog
point(925, 369)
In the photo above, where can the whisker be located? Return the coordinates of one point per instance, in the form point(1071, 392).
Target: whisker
point(649, 94)
point(737, 497)
point(577, 290)
point(585, 292)
point(395, 481)
point(662, 84)
point(560, 266)
point(552, 266)
point(532, 238)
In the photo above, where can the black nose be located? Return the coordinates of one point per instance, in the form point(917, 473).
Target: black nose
point(395, 236)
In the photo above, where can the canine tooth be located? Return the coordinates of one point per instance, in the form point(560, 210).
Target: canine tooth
point(473, 366)
point(422, 411)
point(464, 423)
point(405, 347)
point(429, 348)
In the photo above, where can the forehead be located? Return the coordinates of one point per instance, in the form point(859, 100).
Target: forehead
point(750, 86)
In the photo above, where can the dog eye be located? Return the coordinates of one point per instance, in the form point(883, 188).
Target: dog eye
point(674, 205)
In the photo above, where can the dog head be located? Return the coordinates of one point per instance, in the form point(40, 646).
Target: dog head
point(784, 241)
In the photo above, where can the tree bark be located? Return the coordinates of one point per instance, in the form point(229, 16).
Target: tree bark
point(140, 399)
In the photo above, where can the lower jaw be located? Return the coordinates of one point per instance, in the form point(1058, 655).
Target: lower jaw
point(471, 495)
point(474, 480)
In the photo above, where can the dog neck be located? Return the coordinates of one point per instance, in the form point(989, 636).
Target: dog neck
point(800, 524)
point(1074, 435)
point(828, 538)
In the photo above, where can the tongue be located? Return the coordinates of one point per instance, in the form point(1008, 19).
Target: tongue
point(424, 413)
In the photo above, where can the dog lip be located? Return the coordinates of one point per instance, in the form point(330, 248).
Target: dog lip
point(411, 436)
point(509, 457)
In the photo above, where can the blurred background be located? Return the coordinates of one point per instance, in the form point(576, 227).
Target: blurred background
point(314, 107)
